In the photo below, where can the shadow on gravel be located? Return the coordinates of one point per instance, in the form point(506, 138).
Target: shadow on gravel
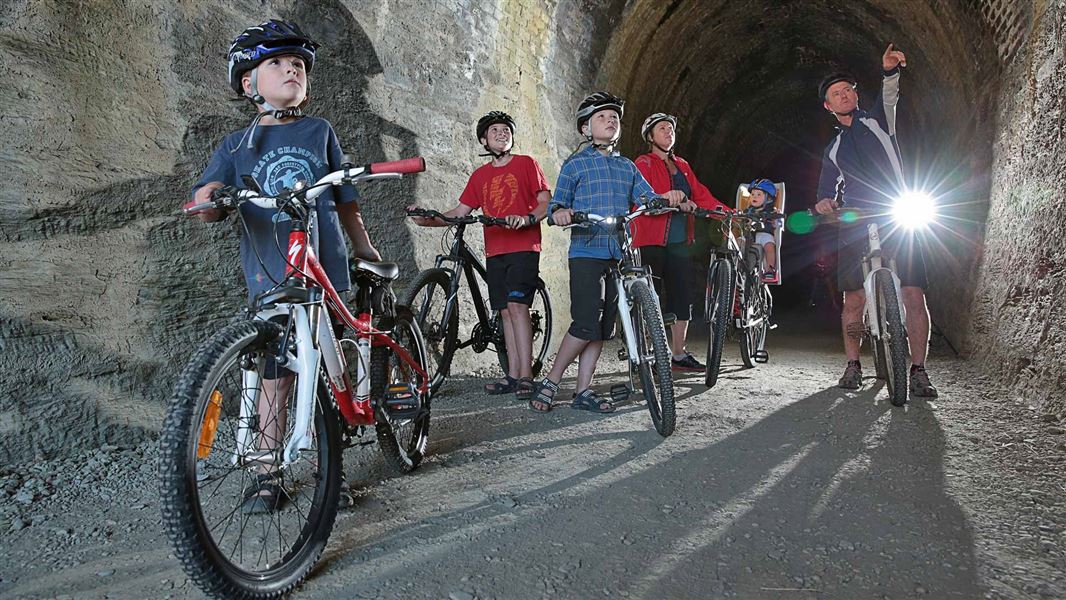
point(833, 496)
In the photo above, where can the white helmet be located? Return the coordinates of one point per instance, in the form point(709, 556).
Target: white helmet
point(650, 122)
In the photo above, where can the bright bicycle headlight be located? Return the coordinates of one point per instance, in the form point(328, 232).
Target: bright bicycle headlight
point(914, 209)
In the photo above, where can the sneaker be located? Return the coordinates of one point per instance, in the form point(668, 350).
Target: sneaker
point(920, 386)
point(688, 363)
point(769, 275)
point(852, 379)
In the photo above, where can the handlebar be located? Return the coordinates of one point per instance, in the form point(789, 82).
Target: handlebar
point(467, 220)
point(229, 197)
point(657, 204)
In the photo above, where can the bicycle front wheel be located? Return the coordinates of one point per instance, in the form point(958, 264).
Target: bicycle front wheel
point(757, 320)
point(428, 299)
point(656, 379)
point(402, 411)
point(216, 461)
point(540, 318)
point(719, 311)
point(893, 340)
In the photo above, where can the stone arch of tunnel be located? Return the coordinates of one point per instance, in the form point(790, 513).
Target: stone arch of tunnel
point(742, 79)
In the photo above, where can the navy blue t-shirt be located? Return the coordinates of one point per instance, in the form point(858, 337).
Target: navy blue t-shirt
point(303, 150)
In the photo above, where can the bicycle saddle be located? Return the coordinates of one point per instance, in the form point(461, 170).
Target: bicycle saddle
point(385, 270)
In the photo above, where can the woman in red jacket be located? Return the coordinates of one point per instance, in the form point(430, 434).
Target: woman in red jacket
point(664, 240)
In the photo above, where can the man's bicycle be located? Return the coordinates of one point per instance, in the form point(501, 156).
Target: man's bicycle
point(884, 315)
point(434, 300)
point(643, 329)
point(266, 405)
point(737, 298)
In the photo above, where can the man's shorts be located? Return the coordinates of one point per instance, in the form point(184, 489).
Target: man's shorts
point(671, 269)
point(762, 238)
point(593, 299)
point(905, 246)
point(512, 277)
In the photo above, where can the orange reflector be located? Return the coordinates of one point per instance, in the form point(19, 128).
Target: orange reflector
point(210, 425)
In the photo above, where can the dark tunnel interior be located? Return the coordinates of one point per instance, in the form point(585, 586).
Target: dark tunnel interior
point(742, 79)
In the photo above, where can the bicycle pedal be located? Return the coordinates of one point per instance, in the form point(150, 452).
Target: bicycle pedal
point(623, 353)
point(761, 356)
point(620, 392)
point(401, 400)
point(669, 319)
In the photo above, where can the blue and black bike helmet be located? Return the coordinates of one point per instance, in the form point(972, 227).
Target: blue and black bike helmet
point(765, 185)
point(258, 43)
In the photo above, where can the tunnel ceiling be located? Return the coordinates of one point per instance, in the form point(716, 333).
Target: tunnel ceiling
point(741, 76)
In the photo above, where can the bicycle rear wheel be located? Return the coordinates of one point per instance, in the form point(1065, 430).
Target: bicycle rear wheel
point(719, 311)
point(402, 411)
point(656, 378)
point(893, 340)
point(212, 460)
point(757, 320)
point(427, 297)
point(540, 317)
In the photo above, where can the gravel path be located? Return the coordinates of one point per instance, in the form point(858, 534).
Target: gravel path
point(775, 485)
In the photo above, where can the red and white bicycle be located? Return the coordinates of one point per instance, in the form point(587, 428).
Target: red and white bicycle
point(250, 464)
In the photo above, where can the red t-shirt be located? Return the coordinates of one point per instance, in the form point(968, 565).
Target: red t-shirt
point(508, 190)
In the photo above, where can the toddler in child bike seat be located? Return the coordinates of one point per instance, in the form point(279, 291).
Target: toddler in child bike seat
point(269, 65)
point(763, 195)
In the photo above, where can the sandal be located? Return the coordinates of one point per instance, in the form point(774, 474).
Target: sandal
point(263, 496)
point(588, 400)
point(541, 401)
point(499, 387)
point(524, 388)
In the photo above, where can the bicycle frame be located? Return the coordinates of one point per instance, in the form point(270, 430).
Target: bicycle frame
point(462, 258)
point(623, 275)
point(307, 297)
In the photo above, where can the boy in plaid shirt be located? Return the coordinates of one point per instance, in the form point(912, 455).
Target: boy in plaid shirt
point(594, 180)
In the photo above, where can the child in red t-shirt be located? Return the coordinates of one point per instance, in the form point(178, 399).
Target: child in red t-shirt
point(511, 186)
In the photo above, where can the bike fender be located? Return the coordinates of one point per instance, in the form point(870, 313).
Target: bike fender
point(870, 287)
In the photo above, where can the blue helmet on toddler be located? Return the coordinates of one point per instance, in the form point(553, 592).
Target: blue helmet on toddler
point(258, 43)
point(765, 185)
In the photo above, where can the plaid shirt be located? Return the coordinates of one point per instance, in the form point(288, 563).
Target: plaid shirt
point(605, 185)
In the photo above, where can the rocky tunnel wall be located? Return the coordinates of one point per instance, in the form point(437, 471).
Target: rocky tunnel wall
point(104, 290)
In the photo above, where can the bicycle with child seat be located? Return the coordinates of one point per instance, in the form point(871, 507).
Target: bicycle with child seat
point(884, 314)
point(643, 329)
point(226, 439)
point(737, 298)
point(434, 300)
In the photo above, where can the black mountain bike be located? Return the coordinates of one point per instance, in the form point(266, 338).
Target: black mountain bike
point(434, 299)
point(737, 299)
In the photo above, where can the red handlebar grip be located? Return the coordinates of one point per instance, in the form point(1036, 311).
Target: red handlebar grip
point(191, 208)
point(407, 165)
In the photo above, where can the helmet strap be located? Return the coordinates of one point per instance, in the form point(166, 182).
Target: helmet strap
point(609, 146)
point(496, 155)
point(669, 151)
point(249, 134)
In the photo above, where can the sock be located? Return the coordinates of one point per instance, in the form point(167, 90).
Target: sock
point(855, 362)
point(680, 356)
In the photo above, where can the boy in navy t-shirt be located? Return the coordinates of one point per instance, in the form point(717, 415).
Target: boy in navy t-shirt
point(268, 64)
